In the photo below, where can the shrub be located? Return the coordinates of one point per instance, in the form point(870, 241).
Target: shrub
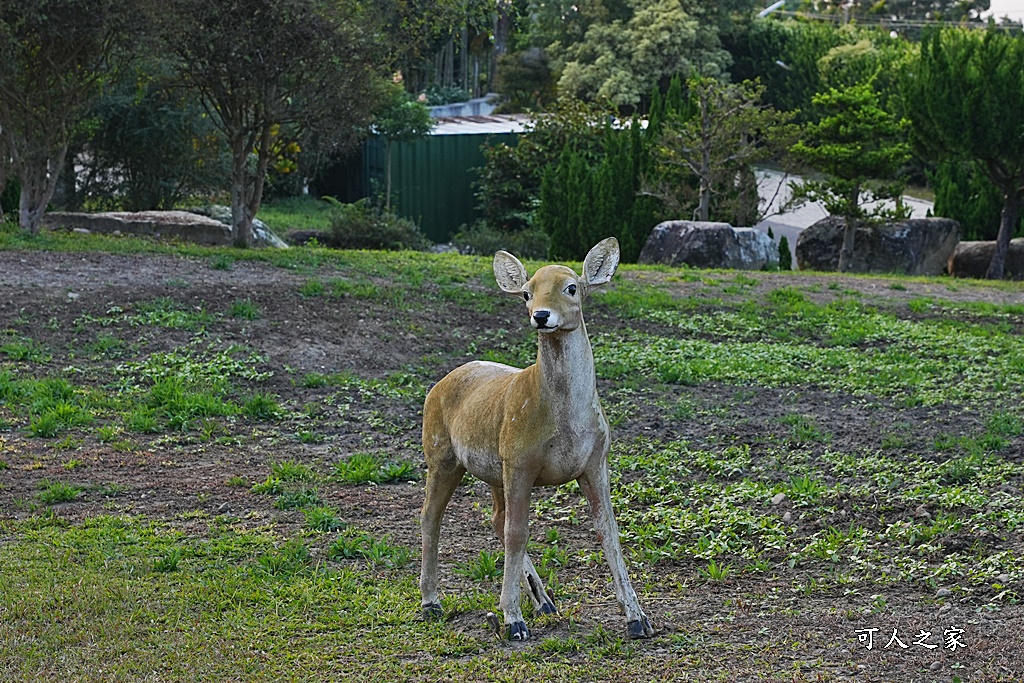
point(785, 256)
point(483, 239)
point(361, 225)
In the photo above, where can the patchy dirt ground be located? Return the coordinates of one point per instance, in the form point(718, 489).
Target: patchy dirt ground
point(723, 630)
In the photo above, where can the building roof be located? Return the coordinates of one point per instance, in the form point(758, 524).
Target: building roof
point(481, 125)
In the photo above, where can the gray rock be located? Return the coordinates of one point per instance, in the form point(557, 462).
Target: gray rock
point(448, 248)
point(262, 235)
point(918, 246)
point(779, 498)
point(187, 226)
point(181, 225)
point(787, 518)
point(709, 245)
point(1003, 579)
point(971, 259)
point(943, 593)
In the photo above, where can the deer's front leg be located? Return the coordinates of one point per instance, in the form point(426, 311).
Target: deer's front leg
point(517, 532)
point(595, 486)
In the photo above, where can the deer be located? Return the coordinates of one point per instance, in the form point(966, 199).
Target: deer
point(516, 429)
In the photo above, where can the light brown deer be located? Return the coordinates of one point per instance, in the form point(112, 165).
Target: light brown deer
point(516, 429)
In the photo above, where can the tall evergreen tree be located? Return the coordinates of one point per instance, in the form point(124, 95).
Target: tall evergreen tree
point(968, 95)
point(859, 147)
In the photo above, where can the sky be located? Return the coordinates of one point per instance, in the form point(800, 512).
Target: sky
point(1012, 8)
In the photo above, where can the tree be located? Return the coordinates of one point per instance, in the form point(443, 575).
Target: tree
point(54, 56)
point(620, 61)
point(968, 95)
point(265, 65)
point(591, 195)
point(947, 10)
point(403, 119)
point(859, 147)
point(5, 171)
point(726, 132)
point(964, 193)
point(149, 145)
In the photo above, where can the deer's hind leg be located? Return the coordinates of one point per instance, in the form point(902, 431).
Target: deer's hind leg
point(444, 473)
point(543, 601)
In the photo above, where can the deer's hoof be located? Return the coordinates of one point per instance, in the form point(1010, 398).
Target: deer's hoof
point(549, 606)
point(517, 631)
point(432, 611)
point(640, 628)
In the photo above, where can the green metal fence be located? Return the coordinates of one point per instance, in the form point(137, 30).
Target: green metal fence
point(432, 179)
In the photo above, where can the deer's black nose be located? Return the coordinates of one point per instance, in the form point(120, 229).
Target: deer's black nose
point(541, 317)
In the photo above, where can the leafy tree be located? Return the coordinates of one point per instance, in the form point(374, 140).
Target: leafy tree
point(149, 145)
point(403, 119)
point(968, 95)
point(783, 56)
point(621, 60)
point(728, 130)
point(258, 65)
point(858, 146)
point(508, 188)
point(54, 55)
point(947, 10)
point(526, 79)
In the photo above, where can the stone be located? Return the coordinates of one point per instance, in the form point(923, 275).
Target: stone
point(779, 498)
point(917, 246)
point(186, 226)
point(1003, 579)
point(943, 593)
point(709, 245)
point(971, 259)
point(787, 518)
point(262, 235)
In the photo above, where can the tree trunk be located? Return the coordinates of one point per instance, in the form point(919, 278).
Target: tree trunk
point(4, 170)
point(387, 174)
point(38, 174)
point(704, 208)
point(1007, 226)
point(846, 252)
point(849, 231)
point(241, 220)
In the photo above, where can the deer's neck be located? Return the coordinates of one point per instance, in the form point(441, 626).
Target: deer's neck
point(565, 365)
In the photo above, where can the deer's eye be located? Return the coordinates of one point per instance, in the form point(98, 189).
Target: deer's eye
point(526, 296)
point(571, 289)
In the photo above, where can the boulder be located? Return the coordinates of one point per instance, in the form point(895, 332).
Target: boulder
point(186, 226)
point(181, 225)
point(709, 245)
point(262, 235)
point(917, 246)
point(971, 259)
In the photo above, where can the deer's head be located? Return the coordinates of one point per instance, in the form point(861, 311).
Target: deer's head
point(554, 295)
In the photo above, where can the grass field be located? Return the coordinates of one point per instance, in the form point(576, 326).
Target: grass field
point(209, 469)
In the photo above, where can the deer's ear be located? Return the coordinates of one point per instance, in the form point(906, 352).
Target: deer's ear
point(601, 262)
point(509, 272)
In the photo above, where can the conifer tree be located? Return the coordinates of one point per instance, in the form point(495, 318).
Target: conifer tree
point(859, 148)
point(968, 95)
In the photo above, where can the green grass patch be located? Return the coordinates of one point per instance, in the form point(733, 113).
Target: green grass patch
point(362, 468)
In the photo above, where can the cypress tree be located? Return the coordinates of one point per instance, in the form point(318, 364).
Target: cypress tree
point(785, 257)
